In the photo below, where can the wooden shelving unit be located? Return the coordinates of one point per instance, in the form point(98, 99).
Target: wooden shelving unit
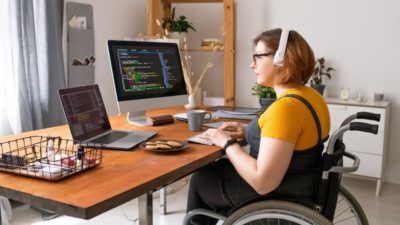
point(158, 9)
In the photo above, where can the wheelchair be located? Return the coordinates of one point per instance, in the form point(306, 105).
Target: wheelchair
point(333, 204)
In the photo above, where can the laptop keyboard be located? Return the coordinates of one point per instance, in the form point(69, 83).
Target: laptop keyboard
point(110, 137)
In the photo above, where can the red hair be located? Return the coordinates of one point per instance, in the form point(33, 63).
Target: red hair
point(299, 61)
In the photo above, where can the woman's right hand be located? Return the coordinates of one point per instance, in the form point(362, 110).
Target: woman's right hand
point(234, 129)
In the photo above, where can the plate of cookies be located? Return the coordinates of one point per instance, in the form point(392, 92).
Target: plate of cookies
point(164, 145)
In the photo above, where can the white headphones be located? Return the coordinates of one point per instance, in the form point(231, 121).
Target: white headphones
point(280, 53)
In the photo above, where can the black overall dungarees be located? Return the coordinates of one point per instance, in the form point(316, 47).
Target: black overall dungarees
point(300, 180)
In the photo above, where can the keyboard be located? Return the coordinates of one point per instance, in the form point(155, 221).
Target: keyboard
point(110, 137)
point(200, 140)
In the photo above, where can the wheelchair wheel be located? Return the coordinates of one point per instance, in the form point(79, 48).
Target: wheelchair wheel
point(276, 212)
point(348, 210)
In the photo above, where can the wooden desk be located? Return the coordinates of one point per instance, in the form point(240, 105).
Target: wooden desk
point(122, 176)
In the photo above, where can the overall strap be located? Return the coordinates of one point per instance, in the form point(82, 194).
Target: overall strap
point(314, 114)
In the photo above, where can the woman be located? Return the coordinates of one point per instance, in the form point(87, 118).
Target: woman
point(285, 141)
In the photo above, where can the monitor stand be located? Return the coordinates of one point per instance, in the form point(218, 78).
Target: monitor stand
point(137, 118)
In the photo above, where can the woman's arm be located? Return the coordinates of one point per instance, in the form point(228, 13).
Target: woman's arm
point(267, 172)
point(234, 129)
point(263, 174)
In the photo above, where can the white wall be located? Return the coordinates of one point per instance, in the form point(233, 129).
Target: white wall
point(116, 20)
point(360, 39)
point(357, 37)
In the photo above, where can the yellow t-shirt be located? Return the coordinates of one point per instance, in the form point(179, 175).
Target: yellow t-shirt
point(290, 120)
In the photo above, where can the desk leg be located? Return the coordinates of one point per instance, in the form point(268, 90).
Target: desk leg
point(163, 201)
point(146, 209)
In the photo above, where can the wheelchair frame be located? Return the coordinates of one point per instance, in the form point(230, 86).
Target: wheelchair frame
point(298, 211)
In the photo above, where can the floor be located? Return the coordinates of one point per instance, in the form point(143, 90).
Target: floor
point(382, 210)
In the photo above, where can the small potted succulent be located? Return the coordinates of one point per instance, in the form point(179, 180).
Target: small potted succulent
point(320, 71)
point(265, 94)
point(177, 27)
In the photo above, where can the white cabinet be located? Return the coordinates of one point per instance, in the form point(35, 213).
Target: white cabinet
point(371, 149)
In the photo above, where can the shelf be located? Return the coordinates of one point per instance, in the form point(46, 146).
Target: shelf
point(158, 9)
point(352, 102)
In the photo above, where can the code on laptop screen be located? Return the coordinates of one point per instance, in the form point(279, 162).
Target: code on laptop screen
point(85, 111)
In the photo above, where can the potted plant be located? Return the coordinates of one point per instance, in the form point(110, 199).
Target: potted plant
point(265, 94)
point(177, 27)
point(320, 71)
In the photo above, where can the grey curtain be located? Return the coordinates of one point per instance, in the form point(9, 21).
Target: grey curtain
point(37, 64)
point(31, 69)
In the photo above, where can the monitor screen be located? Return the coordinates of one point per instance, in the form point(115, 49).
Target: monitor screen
point(146, 75)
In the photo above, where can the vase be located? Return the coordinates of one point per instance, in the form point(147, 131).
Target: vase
point(265, 103)
point(180, 36)
point(192, 103)
point(319, 87)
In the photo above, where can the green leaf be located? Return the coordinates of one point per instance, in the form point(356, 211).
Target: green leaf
point(263, 91)
point(179, 24)
point(320, 70)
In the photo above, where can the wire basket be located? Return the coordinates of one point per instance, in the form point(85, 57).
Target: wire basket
point(49, 158)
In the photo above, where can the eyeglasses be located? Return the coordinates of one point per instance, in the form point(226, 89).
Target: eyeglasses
point(258, 56)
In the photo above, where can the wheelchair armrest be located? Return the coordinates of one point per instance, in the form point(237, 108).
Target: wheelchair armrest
point(194, 212)
point(343, 169)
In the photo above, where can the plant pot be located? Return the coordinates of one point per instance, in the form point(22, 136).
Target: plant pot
point(319, 87)
point(192, 104)
point(179, 36)
point(265, 103)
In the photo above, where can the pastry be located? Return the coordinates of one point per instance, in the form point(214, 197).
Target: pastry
point(151, 147)
point(174, 144)
point(163, 146)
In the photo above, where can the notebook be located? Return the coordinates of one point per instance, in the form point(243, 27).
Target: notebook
point(88, 121)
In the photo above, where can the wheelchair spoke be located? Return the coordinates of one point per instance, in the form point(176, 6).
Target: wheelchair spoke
point(344, 215)
point(345, 219)
point(347, 211)
point(340, 199)
point(343, 211)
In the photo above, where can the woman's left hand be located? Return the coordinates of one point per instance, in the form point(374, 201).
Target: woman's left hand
point(218, 137)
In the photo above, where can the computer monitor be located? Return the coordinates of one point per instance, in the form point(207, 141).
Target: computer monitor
point(146, 75)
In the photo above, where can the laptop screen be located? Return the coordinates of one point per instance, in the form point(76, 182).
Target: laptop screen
point(85, 111)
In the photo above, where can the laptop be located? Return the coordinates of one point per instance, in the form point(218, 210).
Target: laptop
point(88, 121)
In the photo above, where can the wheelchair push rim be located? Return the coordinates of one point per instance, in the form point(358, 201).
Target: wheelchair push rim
point(281, 212)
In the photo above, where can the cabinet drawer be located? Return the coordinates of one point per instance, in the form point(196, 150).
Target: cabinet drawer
point(357, 141)
point(370, 165)
point(338, 113)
